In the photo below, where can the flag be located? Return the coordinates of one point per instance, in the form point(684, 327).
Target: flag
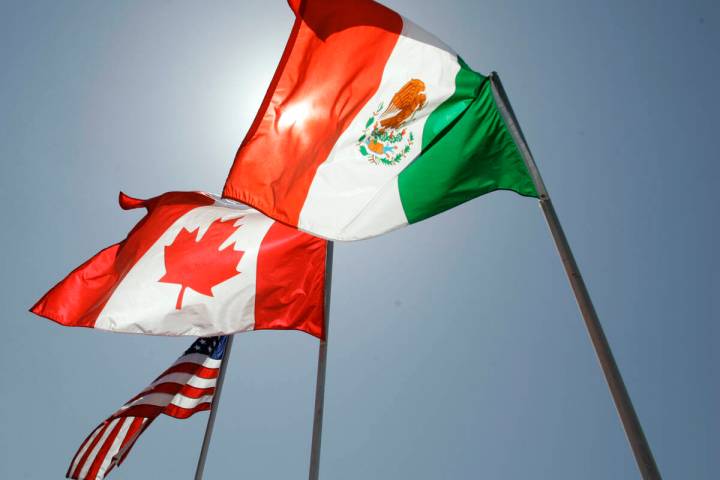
point(370, 123)
point(187, 387)
point(196, 265)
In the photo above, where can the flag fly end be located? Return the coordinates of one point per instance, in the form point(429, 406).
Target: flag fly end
point(128, 203)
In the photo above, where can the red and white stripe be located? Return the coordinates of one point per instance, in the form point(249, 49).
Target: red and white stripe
point(183, 389)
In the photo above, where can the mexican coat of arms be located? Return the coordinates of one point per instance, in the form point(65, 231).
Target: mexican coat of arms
point(385, 140)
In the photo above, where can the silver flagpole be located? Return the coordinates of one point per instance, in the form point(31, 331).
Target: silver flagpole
point(630, 421)
point(213, 410)
point(321, 367)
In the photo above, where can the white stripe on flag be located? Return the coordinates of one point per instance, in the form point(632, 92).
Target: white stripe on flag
point(84, 448)
point(186, 402)
point(98, 446)
point(164, 399)
point(184, 379)
point(198, 358)
point(115, 447)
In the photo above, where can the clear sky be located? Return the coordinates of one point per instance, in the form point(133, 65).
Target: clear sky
point(456, 349)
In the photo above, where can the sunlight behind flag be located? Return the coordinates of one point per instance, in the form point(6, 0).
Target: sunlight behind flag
point(295, 115)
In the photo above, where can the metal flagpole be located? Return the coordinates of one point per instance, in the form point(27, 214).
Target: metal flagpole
point(321, 367)
point(630, 421)
point(213, 410)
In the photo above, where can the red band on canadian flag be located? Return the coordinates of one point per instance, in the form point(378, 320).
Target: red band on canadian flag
point(278, 304)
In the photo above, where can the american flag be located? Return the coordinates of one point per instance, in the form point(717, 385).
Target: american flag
point(183, 389)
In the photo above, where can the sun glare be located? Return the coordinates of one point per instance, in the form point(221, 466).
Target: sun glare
point(294, 115)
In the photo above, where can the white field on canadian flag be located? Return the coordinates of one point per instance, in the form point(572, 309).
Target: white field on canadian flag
point(142, 304)
point(366, 200)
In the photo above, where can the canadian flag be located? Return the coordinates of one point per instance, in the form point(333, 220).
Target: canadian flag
point(196, 265)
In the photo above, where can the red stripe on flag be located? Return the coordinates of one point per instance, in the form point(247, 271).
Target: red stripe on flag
point(175, 389)
point(185, 390)
point(102, 453)
point(131, 436)
point(325, 77)
point(87, 439)
point(290, 281)
point(89, 450)
point(181, 413)
point(152, 411)
point(194, 368)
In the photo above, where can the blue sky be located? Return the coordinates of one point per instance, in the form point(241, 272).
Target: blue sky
point(456, 349)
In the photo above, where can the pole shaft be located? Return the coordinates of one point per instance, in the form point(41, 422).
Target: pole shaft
point(321, 368)
point(213, 410)
point(631, 423)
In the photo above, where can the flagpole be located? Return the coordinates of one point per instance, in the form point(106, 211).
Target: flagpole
point(631, 423)
point(213, 410)
point(321, 367)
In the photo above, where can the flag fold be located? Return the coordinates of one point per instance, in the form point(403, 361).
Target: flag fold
point(187, 387)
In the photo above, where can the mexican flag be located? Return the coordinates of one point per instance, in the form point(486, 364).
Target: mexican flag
point(371, 123)
point(196, 265)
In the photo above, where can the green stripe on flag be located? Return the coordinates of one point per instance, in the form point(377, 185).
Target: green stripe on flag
point(467, 151)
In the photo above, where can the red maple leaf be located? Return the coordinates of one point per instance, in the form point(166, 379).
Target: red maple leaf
point(201, 264)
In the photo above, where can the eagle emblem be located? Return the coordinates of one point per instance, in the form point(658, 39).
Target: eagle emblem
point(385, 141)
